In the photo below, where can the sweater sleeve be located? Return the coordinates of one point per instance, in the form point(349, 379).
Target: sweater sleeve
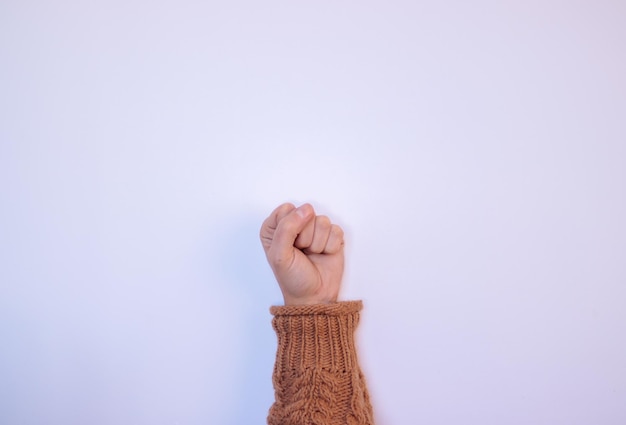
point(317, 378)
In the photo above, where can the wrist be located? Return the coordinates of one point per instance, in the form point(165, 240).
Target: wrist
point(295, 301)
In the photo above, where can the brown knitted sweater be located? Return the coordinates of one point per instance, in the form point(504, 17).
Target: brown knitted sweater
point(317, 378)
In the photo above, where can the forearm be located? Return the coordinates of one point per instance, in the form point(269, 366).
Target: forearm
point(317, 378)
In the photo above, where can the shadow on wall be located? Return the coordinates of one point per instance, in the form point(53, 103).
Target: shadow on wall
point(244, 268)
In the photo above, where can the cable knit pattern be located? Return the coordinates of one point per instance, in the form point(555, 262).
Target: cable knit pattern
point(317, 378)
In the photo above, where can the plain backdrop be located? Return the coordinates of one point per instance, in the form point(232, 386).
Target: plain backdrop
point(474, 151)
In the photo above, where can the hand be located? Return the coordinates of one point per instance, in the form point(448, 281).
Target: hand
point(305, 252)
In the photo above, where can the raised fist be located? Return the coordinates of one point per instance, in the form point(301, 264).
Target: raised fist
point(305, 252)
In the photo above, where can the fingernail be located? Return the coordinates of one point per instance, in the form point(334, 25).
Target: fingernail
point(303, 210)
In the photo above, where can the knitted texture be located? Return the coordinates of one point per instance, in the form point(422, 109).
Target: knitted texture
point(317, 378)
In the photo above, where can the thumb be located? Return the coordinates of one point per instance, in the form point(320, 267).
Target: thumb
point(282, 250)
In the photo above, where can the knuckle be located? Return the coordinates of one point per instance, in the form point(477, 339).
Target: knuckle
point(337, 231)
point(285, 209)
point(323, 221)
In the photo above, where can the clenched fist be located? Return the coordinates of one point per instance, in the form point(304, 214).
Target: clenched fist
point(305, 252)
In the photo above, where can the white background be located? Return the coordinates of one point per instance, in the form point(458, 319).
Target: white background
point(475, 153)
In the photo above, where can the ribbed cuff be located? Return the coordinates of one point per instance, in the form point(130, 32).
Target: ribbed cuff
point(316, 336)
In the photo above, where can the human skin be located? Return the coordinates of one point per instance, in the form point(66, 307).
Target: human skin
point(306, 254)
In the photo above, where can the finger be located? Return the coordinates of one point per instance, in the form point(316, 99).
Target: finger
point(283, 210)
point(287, 230)
point(268, 228)
point(335, 240)
point(320, 235)
point(305, 237)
